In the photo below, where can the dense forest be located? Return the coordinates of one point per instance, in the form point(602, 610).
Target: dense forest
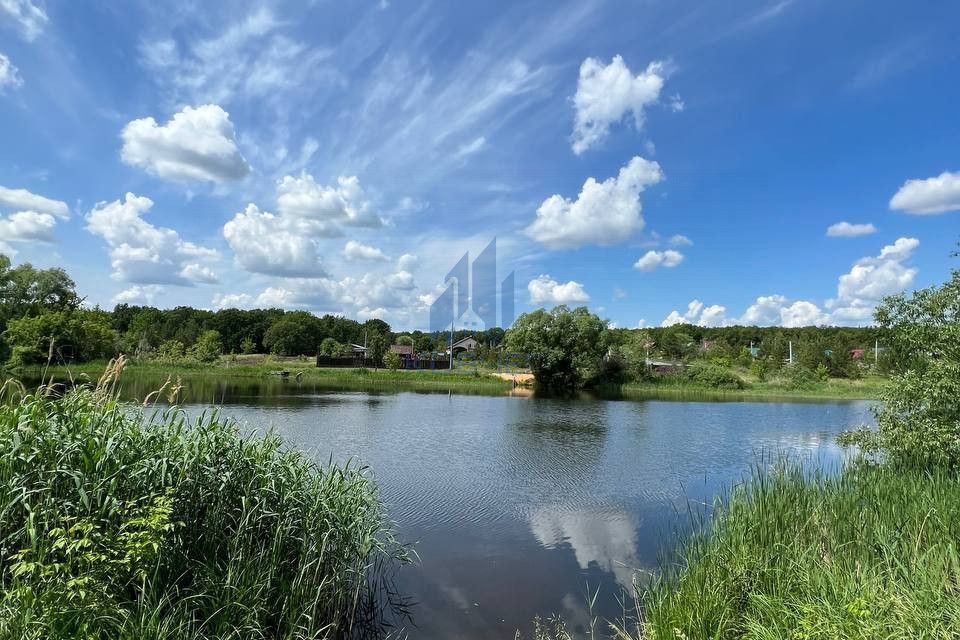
point(42, 317)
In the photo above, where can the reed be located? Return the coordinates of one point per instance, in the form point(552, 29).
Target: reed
point(132, 522)
point(666, 387)
point(868, 553)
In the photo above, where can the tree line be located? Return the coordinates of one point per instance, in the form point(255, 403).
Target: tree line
point(43, 318)
point(572, 347)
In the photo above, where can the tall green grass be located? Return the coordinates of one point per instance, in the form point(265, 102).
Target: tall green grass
point(869, 553)
point(122, 522)
point(461, 380)
point(836, 388)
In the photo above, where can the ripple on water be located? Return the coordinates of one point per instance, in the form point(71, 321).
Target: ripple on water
point(518, 502)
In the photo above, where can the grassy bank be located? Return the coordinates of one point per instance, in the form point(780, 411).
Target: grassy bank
point(122, 524)
point(297, 369)
point(866, 554)
point(868, 388)
point(464, 379)
point(869, 553)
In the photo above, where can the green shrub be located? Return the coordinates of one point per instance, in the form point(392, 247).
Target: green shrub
point(822, 373)
point(170, 351)
point(208, 347)
point(759, 369)
point(919, 417)
point(799, 378)
point(248, 346)
point(722, 361)
point(392, 361)
point(330, 347)
point(126, 524)
point(613, 369)
point(713, 376)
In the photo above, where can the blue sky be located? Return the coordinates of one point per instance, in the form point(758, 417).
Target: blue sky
point(658, 161)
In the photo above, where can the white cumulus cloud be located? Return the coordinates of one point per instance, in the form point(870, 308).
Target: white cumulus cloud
point(232, 301)
point(545, 290)
point(140, 294)
point(803, 313)
point(27, 226)
point(345, 203)
point(872, 278)
point(859, 291)
point(287, 243)
point(765, 311)
point(653, 259)
point(607, 93)
point(33, 218)
point(849, 230)
point(142, 253)
point(358, 251)
point(195, 272)
point(393, 294)
point(777, 310)
point(772, 310)
point(714, 316)
point(930, 196)
point(690, 317)
point(604, 213)
point(366, 313)
point(266, 243)
point(24, 200)
point(197, 144)
point(407, 262)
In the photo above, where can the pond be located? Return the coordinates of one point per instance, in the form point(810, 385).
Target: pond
point(521, 506)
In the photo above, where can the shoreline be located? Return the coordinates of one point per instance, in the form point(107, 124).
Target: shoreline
point(465, 379)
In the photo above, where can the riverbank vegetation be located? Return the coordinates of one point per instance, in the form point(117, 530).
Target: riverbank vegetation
point(570, 349)
point(121, 522)
point(869, 552)
point(264, 369)
point(43, 321)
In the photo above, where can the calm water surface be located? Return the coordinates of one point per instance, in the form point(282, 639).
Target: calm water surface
point(519, 506)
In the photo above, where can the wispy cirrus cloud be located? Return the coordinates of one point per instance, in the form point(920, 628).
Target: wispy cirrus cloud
point(9, 74)
point(29, 18)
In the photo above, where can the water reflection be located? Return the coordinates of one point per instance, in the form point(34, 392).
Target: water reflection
point(605, 540)
point(521, 505)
